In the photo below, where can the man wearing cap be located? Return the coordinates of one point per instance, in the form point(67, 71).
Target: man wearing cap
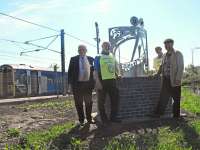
point(172, 70)
point(80, 77)
point(106, 71)
point(157, 60)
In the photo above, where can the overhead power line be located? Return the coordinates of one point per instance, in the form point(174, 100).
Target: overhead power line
point(42, 26)
point(12, 41)
point(86, 42)
point(42, 47)
point(52, 41)
point(2, 52)
point(10, 57)
point(27, 43)
point(43, 38)
point(46, 27)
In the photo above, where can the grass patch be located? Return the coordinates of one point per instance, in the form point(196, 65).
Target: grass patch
point(39, 139)
point(76, 143)
point(54, 104)
point(191, 101)
point(171, 139)
point(13, 132)
point(164, 139)
point(196, 125)
point(124, 142)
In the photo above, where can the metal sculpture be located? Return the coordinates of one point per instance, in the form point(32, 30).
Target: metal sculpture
point(119, 35)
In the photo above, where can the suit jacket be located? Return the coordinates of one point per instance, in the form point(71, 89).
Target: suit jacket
point(176, 67)
point(73, 72)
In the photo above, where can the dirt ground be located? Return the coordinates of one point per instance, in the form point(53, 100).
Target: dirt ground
point(18, 116)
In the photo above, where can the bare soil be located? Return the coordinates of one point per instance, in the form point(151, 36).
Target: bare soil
point(96, 136)
point(16, 116)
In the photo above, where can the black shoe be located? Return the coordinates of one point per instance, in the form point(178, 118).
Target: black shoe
point(81, 123)
point(91, 121)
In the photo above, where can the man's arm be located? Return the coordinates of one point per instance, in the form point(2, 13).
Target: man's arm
point(180, 64)
point(96, 73)
point(160, 70)
point(154, 63)
point(92, 63)
point(70, 71)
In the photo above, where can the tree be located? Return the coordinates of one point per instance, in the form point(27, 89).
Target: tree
point(191, 74)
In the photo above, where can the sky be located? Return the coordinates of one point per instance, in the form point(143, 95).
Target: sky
point(163, 19)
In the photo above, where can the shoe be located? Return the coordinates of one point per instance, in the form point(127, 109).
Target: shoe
point(81, 123)
point(183, 115)
point(91, 121)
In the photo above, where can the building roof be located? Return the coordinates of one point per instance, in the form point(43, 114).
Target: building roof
point(24, 66)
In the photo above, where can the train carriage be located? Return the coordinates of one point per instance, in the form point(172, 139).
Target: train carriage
point(23, 80)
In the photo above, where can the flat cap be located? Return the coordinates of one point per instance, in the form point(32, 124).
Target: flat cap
point(168, 41)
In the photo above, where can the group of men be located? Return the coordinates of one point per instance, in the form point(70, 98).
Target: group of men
point(86, 73)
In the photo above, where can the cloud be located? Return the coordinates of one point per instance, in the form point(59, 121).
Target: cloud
point(29, 11)
point(37, 7)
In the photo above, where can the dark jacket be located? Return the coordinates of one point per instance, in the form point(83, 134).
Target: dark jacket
point(73, 72)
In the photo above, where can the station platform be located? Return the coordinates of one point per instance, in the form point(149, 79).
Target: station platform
point(30, 99)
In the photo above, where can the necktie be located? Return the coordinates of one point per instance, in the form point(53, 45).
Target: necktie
point(82, 63)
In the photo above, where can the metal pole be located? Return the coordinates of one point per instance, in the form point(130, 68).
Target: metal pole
point(135, 46)
point(147, 63)
point(97, 36)
point(55, 68)
point(62, 38)
point(196, 48)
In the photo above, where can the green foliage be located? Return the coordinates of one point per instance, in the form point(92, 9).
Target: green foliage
point(164, 139)
point(54, 104)
point(196, 125)
point(38, 140)
point(191, 74)
point(126, 142)
point(76, 143)
point(169, 139)
point(190, 102)
point(13, 132)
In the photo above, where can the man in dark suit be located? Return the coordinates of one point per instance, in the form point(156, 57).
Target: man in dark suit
point(80, 78)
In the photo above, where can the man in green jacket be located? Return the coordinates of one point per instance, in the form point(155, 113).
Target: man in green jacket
point(171, 70)
point(106, 71)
